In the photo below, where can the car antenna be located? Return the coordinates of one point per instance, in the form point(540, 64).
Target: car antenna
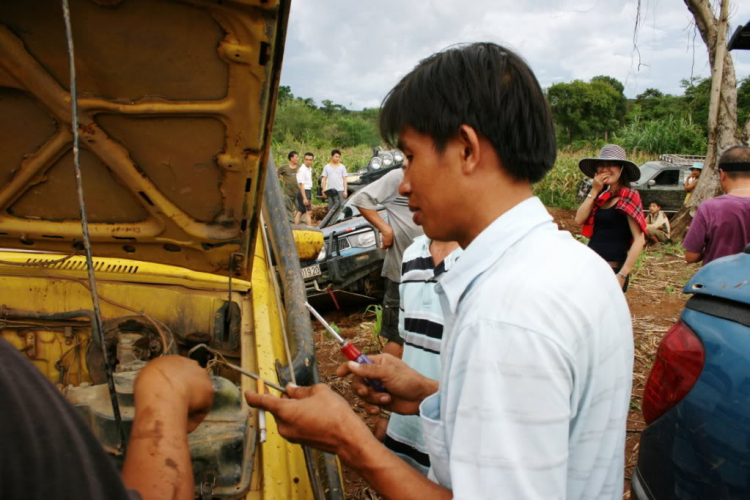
point(85, 225)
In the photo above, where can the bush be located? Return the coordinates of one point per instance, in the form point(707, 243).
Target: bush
point(668, 135)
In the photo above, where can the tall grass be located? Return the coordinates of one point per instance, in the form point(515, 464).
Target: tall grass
point(667, 135)
point(558, 188)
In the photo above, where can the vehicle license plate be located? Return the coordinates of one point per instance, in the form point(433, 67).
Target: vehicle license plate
point(310, 271)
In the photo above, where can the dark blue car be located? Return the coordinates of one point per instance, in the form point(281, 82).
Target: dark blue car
point(696, 403)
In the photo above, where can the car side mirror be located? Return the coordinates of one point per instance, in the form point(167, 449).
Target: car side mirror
point(652, 183)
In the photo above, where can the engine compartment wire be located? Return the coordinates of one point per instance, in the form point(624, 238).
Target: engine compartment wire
point(85, 222)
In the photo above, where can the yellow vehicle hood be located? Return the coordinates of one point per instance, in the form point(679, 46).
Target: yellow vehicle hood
point(176, 100)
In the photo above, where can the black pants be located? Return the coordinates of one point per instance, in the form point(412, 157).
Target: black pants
point(335, 199)
point(391, 305)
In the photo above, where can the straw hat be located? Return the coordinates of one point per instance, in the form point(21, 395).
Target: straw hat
point(611, 153)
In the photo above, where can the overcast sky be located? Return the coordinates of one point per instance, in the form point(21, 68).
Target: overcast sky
point(352, 51)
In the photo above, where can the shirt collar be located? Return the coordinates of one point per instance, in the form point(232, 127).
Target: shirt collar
point(489, 246)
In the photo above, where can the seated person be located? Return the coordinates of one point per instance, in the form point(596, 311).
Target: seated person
point(657, 224)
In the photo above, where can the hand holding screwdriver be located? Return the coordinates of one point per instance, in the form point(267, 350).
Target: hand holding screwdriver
point(349, 349)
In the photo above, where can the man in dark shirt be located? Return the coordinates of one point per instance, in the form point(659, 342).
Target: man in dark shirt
point(288, 176)
point(721, 225)
point(48, 453)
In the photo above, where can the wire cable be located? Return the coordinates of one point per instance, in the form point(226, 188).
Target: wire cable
point(85, 222)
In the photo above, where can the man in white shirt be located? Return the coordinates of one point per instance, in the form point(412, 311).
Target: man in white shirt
point(304, 181)
point(334, 181)
point(537, 349)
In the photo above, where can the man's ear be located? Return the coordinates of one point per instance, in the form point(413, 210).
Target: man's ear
point(471, 152)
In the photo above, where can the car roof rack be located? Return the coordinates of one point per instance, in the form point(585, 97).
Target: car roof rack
point(681, 159)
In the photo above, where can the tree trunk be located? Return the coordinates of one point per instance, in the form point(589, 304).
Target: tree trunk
point(722, 121)
point(746, 134)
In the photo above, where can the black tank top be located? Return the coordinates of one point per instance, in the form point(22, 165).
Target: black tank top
point(612, 236)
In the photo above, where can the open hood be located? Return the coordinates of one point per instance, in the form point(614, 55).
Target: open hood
point(176, 101)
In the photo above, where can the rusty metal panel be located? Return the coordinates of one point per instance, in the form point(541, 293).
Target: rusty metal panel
point(175, 104)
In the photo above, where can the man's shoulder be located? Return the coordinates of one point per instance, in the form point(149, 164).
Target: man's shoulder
point(419, 246)
point(549, 262)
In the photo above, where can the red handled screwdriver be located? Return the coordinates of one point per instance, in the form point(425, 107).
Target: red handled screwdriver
point(349, 350)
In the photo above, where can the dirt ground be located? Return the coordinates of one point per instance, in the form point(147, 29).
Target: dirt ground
point(655, 301)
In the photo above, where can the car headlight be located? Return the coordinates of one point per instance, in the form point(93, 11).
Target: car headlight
point(322, 254)
point(398, 156)
point(376, 162)
point(362, 240)
point(387, 159)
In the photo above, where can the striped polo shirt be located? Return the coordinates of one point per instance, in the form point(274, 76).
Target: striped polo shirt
point(421, 326)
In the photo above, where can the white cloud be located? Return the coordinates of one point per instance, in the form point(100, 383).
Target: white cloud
point(353, 52)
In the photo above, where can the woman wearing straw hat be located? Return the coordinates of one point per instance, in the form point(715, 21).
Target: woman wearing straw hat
point(612, 213)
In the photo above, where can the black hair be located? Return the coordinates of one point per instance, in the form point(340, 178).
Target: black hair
point(657, 203)
point(736, 154)
point(487, 87)
point(291, 153)
point(309, 154)
point(335, 152)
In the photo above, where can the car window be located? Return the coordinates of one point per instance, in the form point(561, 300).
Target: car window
point(668, 178)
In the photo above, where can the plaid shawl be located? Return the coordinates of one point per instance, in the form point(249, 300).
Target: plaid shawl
point(629, 204)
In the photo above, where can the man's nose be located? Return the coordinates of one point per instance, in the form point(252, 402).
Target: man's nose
point(404, 189)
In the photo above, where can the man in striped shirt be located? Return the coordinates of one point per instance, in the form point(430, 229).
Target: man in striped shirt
point(421, 327)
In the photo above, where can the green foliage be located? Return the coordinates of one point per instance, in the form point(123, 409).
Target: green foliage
point(335, 328)
point(377, 310)
point(743, 102)
point(330, 126)
point(666, 135)
point(654, 105)
point(587, 111)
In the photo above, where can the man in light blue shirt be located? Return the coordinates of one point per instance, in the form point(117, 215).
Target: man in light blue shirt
point(537, 350)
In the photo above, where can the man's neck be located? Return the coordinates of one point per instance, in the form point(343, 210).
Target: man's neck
point(441, 249)
point(490, 206)
point(740, 187)
point(293, 166)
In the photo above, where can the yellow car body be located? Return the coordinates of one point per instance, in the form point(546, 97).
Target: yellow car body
point(176, 102)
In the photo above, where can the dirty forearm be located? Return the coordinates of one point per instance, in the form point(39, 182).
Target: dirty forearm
point(157, 463)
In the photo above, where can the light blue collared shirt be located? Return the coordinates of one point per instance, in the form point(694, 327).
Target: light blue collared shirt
point(537, 359)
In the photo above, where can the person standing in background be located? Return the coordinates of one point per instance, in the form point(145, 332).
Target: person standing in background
point(692, 180)
point(612, 213)
point(420, 324)
point(721, 225)
point(396, 235)
point(304, 195)
point(334, 181)
point(288, 176)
